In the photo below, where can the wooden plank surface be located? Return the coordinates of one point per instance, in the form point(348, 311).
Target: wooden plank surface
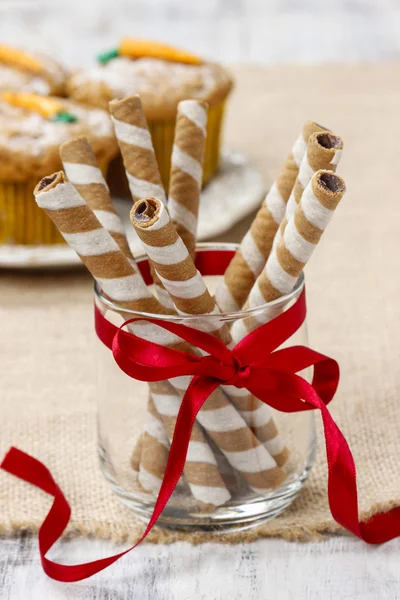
point(336, 569)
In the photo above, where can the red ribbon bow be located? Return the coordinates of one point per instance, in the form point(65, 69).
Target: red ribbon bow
point(256, 364)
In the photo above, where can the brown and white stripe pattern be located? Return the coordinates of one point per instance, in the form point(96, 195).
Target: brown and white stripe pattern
point(81, 169)
point(258, 417)
point(137, 453)
point(250, 258)
point(201, 470)
point(294, 249)
point(99, 252)
point(219, 418)
point(324, 150)
point(187, 170)
point(140, 161)
point(136, 147)
point(154, 451)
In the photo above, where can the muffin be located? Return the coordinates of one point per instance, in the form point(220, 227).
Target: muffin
point(162, 76)
point(32, 128)
point(30, 72)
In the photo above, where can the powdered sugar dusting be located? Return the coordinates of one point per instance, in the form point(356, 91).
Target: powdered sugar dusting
point(155, 79)
point(12, 79)
point(51, 80)
point(33, 134)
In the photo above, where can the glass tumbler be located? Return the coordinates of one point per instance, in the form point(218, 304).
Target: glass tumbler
point(246, 462)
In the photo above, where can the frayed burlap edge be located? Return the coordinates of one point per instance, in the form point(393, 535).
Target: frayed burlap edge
point(292, 533)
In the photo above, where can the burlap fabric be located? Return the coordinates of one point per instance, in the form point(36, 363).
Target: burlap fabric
point(47, 373)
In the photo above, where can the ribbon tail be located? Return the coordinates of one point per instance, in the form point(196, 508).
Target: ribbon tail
point(31, 470)
point(342, 490)
point(342, 475)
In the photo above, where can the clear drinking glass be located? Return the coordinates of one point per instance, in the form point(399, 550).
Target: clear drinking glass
point(133, 444)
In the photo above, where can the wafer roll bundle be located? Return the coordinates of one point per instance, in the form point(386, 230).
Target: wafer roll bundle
point(81, 169)
point(219, 418)
point(232, 423)
point(177, 272)
point(324, 151)
point(301, 236)
point(250, 258)
point(187, 170)
point(122, 285)
point(175, 268)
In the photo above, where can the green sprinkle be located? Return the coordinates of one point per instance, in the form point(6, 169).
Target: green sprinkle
point(105, 57)
point(65, 117)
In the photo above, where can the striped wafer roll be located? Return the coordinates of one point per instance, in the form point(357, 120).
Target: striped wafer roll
point(187, 170)
point(140, 161)
point(154, 450)
point(81, 169)
point(201, 470)
point(136, 148)
point(220, 419)
point(324, 151)
point(250, 258)
point(300, 238)
point(81, 229)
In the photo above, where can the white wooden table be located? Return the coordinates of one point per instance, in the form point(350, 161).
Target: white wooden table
point(336, 569)
point(233, 31)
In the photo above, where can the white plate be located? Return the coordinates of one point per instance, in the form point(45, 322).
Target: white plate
point(236, 191)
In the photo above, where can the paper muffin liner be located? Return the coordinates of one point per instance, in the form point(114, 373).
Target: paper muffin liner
point(162, 134)
point(22, 222)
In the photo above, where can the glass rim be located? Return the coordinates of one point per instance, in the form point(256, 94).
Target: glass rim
point(226, 316)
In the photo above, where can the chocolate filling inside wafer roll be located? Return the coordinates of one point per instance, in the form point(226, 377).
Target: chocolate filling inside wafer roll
point(145, 210)
point(331, 182)
point(49, 180)
point(328, 140)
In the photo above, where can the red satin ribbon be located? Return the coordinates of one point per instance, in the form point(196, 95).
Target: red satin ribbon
point(255, 364)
